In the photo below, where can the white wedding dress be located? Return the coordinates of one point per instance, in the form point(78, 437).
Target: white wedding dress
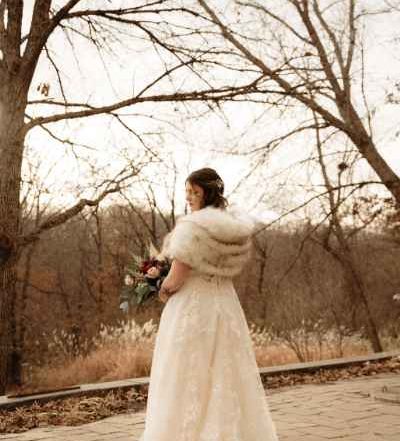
point(204, 381)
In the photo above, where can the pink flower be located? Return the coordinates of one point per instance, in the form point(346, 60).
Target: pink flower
point(153, 272)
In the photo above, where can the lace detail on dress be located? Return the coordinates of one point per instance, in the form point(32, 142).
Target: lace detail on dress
point(205, 384)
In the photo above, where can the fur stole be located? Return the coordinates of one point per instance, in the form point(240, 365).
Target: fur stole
point(212, 241)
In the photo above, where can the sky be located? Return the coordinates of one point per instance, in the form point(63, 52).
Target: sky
point(189, 143)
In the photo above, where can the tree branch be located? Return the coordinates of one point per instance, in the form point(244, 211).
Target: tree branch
point(211, 94)
point(61, 218)
point(41, 28)
point(267, 71)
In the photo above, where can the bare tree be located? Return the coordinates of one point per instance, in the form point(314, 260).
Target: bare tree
point(189, 34)
point(33, 211)
point(342, 251)
point(303, 49)
point(20, 56)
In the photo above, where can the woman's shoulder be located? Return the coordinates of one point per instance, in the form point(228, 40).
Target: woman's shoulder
point(212, 241)
point(228, 224)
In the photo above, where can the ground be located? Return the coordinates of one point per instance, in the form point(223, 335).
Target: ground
point(357, 409)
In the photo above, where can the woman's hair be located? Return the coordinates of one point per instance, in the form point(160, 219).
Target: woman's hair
point(212, 184)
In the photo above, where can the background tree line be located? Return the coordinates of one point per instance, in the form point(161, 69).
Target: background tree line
point(70, 281)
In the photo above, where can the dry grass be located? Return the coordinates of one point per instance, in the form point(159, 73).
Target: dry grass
point(300, 345)
point(276, 355)
point(103, 364)
point(126, 351)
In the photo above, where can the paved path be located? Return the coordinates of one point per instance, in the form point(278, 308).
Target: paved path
point(346, 410)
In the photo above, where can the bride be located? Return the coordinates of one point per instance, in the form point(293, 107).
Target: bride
point(204, 380)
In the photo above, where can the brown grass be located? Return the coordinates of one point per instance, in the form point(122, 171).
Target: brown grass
point(128, 354)
point(276, 355)
point(104, 364)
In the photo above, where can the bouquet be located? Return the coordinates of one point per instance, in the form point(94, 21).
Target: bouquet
point(143, 279)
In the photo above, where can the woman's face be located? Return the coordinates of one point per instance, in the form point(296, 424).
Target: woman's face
point(194, 196)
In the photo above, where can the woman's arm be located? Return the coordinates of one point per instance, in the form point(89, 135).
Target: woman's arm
point(176, 278)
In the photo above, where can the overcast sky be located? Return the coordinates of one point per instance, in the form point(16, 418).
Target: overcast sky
point(192, 143)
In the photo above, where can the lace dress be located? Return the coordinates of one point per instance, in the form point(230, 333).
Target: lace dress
point(204, 381)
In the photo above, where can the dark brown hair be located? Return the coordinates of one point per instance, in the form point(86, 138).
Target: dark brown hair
point(212, 184)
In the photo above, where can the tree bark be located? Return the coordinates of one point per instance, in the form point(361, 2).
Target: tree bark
point(17, 358)
point(368, 150)
point(12, 105)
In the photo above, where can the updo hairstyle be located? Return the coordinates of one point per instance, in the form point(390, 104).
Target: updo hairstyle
point(212, 184)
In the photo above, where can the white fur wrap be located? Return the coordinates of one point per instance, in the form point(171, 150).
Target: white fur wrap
point(212, 241)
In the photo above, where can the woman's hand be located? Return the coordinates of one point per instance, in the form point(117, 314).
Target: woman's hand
point(173, 282)
point(164, 295)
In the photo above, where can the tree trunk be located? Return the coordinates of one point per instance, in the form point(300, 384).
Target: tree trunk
point(344, 254)
point(368, 150)
point(359, 295)
point(20, 319)
point(12, 107)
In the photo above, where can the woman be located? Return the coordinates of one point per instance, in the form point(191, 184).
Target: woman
point(204, 381)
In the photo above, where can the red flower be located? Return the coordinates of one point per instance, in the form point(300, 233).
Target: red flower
point(147, 264)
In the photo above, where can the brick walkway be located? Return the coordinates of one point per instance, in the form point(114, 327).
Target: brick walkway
point(347, 410)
